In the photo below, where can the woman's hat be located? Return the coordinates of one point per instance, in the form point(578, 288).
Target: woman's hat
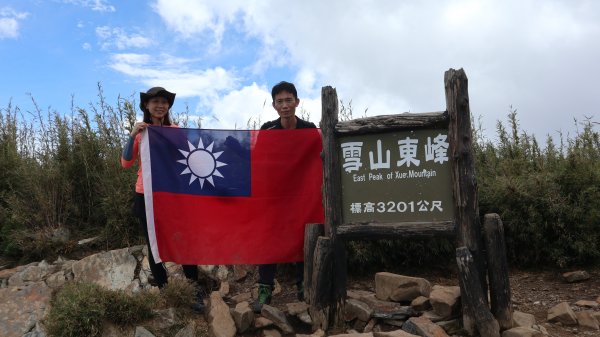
point(154, 92)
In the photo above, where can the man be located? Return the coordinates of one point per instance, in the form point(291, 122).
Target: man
point(285, 102)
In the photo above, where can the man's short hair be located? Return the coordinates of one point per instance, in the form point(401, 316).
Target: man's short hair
point(284, 86)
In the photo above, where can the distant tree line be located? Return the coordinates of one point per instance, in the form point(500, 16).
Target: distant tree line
point(60, 172)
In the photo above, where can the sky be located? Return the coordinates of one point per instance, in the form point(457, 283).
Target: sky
point(222, 57)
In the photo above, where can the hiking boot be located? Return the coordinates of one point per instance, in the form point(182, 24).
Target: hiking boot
point(300, 291)
point(265, 291)
point(198, 305)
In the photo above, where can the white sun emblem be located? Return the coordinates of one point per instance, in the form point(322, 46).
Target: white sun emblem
point(201, 163)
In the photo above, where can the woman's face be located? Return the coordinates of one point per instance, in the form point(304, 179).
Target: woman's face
point(158, 107)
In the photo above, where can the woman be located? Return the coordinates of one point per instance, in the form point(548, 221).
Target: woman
point(155, 103)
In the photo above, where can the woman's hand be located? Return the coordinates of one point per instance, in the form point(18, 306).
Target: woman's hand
point(138, 127)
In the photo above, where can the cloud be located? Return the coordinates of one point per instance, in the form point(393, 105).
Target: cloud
point(391, 57)
point(176, 74)
point(119, 39)
point(95, 5)
point(9, 22)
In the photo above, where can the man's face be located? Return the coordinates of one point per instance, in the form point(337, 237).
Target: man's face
point(285, 104)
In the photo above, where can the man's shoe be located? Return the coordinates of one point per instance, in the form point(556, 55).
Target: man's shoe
point(265, 291)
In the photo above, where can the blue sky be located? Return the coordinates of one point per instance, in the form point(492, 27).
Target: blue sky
point(388, 56)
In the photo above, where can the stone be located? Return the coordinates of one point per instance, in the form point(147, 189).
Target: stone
point(354, 334)
point(22, 307)
point(421, 303)
point(188, 331)
point(562, 313)
point(277, 317)
point(521, 331)
point(296, 308)
point(270, 333)
point(240, 271)
point(140, 331)
point(522, 319)
point(587, 304)
point(399, 288)
point(242, 297)
point(422, 326)
point(243, 316)
point(113, 270)
point(220, 322)
point(452, 327)
point(262, 322)
point(586, 320)
point(395, 333)
point(357, 309)
point(576, 276)
point(224, 288)
point(387, 309)
point(444, 300)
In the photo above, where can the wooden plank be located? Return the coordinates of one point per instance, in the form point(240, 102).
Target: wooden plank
point(386, 123)
point(396, 230)
point(500, 302)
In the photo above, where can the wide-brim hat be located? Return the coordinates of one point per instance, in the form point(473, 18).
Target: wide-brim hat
point(154, 92)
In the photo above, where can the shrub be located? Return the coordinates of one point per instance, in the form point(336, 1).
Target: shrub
point(80, 309)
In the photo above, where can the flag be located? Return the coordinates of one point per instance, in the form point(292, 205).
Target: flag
point(230, 196)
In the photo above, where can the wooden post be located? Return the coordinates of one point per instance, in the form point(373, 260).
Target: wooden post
point(463, 178)
point(320, 297)
point(311, 234)
point(473, 294)
point(332, 202)
point(497, 270)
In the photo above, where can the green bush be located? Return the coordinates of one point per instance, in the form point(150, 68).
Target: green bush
point(80, 309)
point(76, 310)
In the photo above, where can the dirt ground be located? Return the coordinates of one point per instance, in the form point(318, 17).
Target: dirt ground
point(533, 292)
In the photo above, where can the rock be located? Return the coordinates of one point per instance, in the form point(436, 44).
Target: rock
point(521, 332)
point(262, 322)
point(452, 327)
point(444, 300)
point(421, 326)
point(224, 288)
point(562, 313)
point(140, 331)
point(399, 288)
point(421, 303)
point(188, 331)
point(386, 309)
point(243, 316)
point(587, 304)
point(318, 333)
point(521, 319)
point(357, 309)
point(220, 322)
point(22, 307)
point(270, 333)
point(585, 319)
point(395, 333)
point(296, 308)
point(576, 276)
point(240, 271)
point(354, 334)
point(242, 297)
point(277, 317)
point(165, 318)
point(113, 270)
